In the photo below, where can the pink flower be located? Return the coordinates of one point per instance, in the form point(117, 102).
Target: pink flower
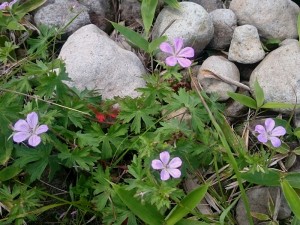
point(166, 166)
point(270, 132)
point(29, 129)
point(178, 54)
point(6, 5)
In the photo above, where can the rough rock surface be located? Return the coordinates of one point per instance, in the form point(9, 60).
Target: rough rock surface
point(258, 201)
point(130, 11)
point(62, 12)
point(209, 5)
point(245, 45)
point(225, 22)
point(94, 61)
point(100, 11)
point(210, 72)
point(191, 22)
point(273, 19)
point(278, 75)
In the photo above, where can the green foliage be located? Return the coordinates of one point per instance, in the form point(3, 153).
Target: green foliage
point(148, 8)
point(6, 52)
point(291, 197)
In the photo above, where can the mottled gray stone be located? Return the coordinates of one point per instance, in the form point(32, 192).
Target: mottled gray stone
point(190, 22)
point(61, 13)
point(245, 45)
point(273, 19)
point(130, 11)
point(278, 75)
point(225, 22)
point(94, 61)
point(217, 74)
point(258, 200)
point(209, 5)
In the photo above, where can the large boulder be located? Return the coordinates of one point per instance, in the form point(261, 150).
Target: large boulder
point(278, 75)
point(209, 5)
point(273, 19)
point(94, 61)
point(191, 22)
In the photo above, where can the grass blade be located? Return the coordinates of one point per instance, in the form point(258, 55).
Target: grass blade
point(243, 99)
point(148, 11)
point(291, 197)
point(259, 94)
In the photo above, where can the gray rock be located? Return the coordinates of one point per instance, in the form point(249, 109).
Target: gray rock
point(191, 22)
point(278, 75)
point(130, 11)
point(245, 45)
point(100, 11)
point(61, 13)
point(217, 75)
point(258, 201)
point(209, 5)
point(288, 41)
point(225, 22)
point(94, 61)
point(273, 19)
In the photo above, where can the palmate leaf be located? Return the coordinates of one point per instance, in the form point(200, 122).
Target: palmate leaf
point(138, 113)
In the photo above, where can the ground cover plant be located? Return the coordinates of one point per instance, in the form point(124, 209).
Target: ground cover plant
point(69, 157)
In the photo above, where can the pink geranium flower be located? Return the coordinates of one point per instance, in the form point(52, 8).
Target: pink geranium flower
point(178, 54)
point(166, 166)
point(6, 5)
point(270, 133)
point(29, 129)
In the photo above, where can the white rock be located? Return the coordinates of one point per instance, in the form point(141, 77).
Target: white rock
point(62, 13)
point(278, 75)
point(273, 19)
point(209, 5)
point(225, 22)
point(214, 68)
point(245, 45)
point(94, 61)
point(191, 22)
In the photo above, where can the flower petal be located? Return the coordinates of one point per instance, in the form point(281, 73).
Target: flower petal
point(164, 175)
point(34, 140)
point(22, 125)
point(263, 138)
point(12, 3)
point(175, 163)
point(176, 173)
point(184, 62)
point(157, 164)
point(260, 129)
point(164, 157)
point(166, 47)
point(32, 120)
point(41, 129)
point(187, 52)
point(278, 131)
point(270, 124)
point(171, 61)
point(275, 141)
point(21, 136)
point(4, 5)
point(178, 43)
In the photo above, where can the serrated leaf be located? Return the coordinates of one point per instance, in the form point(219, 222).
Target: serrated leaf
point(148, 8)
point(186, 205)
point(243, 99)
point(146, 212)
point(132, 36)
point(291, 197)
point(259, 94)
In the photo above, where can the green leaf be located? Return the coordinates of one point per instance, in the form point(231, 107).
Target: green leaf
point(279, 105)
point(271, 177)
point(243, 99)
point(298, 25)
point(148, 8)
point(294, 179)
point(191, 222)
point(132, 36)
point(291, 197)
point(173, 3)
point(186, 205)
point(295, 221)
point(226, 211)
point(14, 25)
point(29, 6)
point(155, 43)
point(259, 94)
point(9, 172)
point(146, 212)
point(260, 216)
